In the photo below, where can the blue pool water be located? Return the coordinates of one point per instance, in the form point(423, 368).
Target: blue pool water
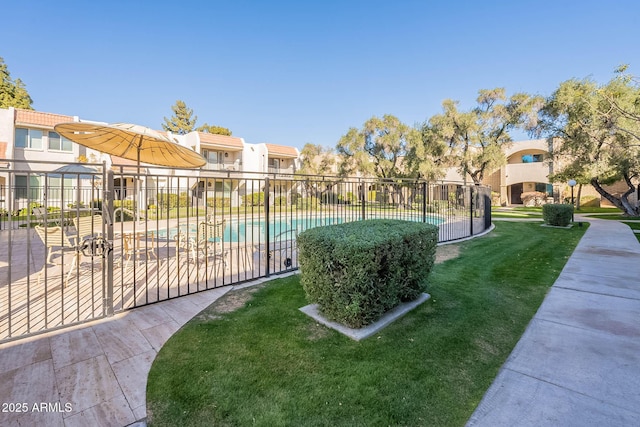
point(253, 231)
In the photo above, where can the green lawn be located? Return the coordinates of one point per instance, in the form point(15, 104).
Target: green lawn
point(618, 217)
point(516, 215)
point(267, 364)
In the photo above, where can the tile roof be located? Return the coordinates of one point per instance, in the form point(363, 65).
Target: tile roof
point(222, 141)
point(282, 150)
point(128, 166)
point(38, 118)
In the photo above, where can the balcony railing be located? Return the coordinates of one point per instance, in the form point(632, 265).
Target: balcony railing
point(226, 166)
point(526, 172)
point(288, 170)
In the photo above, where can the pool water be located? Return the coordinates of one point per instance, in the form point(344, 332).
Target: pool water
point(253, 231)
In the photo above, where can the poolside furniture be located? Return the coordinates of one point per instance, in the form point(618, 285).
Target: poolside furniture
point(136, 244)
point(45, 218)
point(56, 242)
point(208, 241)
point(88, 226)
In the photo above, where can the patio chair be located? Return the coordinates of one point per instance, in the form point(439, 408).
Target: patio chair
point(45, 217)
point(134, 245)
point(209, 241)
point(56, 242)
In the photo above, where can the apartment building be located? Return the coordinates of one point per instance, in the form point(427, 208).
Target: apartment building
point(28, 137)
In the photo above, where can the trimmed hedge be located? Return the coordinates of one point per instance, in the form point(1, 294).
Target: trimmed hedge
point(557, 214)
point(358, 271)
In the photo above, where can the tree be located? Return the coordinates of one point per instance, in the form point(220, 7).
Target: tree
point(182, 120)
point(378, 148)
point(316, 160)
point(477, 138)
point(599, 130)
point(206, 128)
point(13, 93)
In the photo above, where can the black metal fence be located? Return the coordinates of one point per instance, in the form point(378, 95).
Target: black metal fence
point(82, 246)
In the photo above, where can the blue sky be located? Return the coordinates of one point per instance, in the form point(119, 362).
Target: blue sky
point(292, 72)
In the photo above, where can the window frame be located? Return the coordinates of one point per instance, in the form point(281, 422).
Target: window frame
point(28, 139)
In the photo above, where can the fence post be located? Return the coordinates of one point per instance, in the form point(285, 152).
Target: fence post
point(471, 210)
point(108, 215)
point(487, 210)
point(363, 198)
point(424, 201)
point(266, 226)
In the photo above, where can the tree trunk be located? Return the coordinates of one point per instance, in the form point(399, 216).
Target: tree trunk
point(578, 199)
point(621, 203)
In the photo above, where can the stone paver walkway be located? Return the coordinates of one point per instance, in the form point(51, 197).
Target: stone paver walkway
point(93, 374)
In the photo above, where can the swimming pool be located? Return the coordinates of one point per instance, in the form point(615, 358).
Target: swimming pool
point(254, 231)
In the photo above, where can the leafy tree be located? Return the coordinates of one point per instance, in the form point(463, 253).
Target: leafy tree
point(477, 138)
point(599, 130)
point(182, 120)
point(378, 148)
point(13, 93)
point(218, 130)
point(316, 160)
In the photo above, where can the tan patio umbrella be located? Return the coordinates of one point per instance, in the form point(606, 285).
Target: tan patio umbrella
point(132, 142)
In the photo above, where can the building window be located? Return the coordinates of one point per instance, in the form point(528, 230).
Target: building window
point(544, 188)
point(59, 143)
point(32, 191)
point(532, 158)
point(28, 138)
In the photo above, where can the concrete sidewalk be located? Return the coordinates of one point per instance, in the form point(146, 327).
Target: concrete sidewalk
point(578, 363)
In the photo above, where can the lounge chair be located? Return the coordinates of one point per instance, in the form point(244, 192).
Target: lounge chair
point(88, 226)
point(45, 217)
point(56, 242)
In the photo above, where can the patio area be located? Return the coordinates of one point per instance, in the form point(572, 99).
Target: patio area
point(36, 299)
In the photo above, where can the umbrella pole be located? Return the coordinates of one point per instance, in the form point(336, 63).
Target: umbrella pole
point(138, 185)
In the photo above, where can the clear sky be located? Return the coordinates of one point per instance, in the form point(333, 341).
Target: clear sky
point(292, 72)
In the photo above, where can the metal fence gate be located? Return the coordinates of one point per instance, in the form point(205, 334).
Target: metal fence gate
point(76, 246)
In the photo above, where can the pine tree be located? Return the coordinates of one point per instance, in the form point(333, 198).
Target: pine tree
point(12, 93)
point(182, 120)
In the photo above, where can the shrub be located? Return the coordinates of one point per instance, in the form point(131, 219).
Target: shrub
point(350, 197)
point(329, 198)
point(557, 214)
point(533, 198)
point(253, 199)
point(280, 201)
point(357, 271)
point(495, 198)
point(219, 202)
point(309, 203)
point(172, 201)
point(127, 204)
